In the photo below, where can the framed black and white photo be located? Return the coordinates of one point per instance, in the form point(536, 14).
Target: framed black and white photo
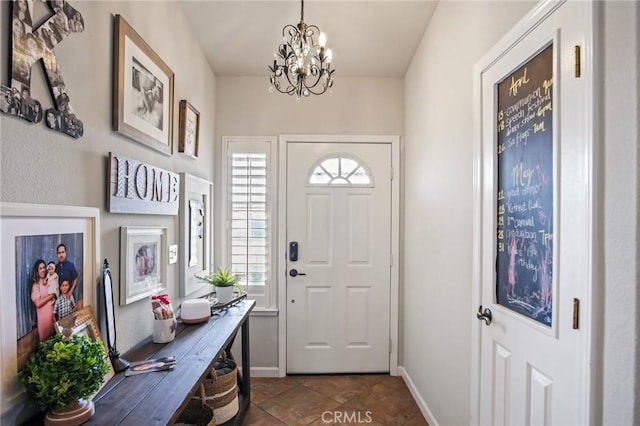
point(38, 243)
point(196, 197)
point(143, 90)
point(189, 129)
point(142, 262)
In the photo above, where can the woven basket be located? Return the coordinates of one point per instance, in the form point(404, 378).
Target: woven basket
point(222, 390)
point(197, 412)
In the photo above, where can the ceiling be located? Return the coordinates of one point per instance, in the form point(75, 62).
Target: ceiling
point(368, 38)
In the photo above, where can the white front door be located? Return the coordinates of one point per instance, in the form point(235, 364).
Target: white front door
point(533, 243)
point(338, 288)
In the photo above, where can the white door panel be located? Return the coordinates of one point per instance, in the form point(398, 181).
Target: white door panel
point(531, 359)
point(338, 313)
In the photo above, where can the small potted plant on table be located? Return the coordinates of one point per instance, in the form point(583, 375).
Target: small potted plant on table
point(61, 373)
point(225, 283)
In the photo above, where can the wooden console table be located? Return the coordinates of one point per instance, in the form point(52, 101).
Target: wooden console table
point(158, 398)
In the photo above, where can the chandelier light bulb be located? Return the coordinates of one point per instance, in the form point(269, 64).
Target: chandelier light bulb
point(322, 40)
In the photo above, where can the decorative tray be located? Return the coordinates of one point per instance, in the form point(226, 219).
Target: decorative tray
point(217, 307)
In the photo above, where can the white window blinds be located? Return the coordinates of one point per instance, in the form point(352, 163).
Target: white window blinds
point(250, 228)
point(249, 199)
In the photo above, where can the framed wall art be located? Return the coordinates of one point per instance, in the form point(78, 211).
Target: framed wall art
point(37, 243)
point(195, 250)
point(189, 129)
point(142, 262)
point(143, 90)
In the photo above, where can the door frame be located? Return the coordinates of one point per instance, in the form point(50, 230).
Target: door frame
point(283, 142)
point(589, 312)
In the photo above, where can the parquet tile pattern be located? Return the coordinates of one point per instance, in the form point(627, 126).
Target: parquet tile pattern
point(320, 400)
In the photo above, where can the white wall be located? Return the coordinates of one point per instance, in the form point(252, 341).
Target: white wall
point(244, 107)
point(438, 201)
point(46, 167)
point(619, 291)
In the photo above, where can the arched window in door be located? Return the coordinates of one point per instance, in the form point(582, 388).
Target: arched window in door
point(340, 170)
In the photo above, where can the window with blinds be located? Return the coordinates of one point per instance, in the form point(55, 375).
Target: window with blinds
point(249, 224)
point(249, 199)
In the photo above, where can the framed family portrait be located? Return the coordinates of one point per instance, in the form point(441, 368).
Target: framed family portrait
point(189, 129)
point(196, 197)
point(143, 90)
point(45, 250)
point(142, 262)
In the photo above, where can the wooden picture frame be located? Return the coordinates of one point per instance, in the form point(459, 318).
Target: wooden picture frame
point(189, 130)
point(143, 254)
point(85, 324)
point(48, 225)
point(143, 90)
point(195, 252)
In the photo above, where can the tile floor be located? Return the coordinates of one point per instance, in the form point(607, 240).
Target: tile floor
point(332, 400)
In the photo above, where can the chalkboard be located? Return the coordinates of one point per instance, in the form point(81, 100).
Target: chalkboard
point(524, 261)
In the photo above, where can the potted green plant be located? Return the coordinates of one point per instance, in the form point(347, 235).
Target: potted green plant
point(60, 373)
point(225, 282)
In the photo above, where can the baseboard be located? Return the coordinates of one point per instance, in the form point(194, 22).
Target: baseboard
point(426, 412)
point(265, 372)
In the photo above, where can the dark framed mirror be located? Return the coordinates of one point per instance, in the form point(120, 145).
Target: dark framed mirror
point(119, 364)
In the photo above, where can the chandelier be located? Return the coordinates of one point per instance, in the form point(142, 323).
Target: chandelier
point(301, 66)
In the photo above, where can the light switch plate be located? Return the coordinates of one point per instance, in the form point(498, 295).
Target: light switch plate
point(173, 254)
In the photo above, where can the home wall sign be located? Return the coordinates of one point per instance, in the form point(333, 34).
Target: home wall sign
point(29, 46)
point(136, 187)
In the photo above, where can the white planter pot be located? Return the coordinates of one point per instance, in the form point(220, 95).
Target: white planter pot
point(225, 294)
point(74, 414)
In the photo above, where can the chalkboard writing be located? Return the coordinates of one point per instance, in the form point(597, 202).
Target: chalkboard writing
point(524, 264)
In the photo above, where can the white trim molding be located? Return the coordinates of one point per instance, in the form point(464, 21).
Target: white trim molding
point(422, 404)
point(264, 372)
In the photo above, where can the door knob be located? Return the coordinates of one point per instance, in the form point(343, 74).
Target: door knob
point(295, 273)
point(484, 315)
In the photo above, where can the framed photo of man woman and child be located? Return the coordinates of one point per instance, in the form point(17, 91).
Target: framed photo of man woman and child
point(49, 259)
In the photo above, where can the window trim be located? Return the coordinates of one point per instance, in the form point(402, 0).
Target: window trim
point(252, 145)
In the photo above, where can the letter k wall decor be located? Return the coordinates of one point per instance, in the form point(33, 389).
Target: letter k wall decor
point(29, 45)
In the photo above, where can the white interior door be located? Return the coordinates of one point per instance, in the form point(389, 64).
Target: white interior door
point(533, 246)
point(339, 214)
